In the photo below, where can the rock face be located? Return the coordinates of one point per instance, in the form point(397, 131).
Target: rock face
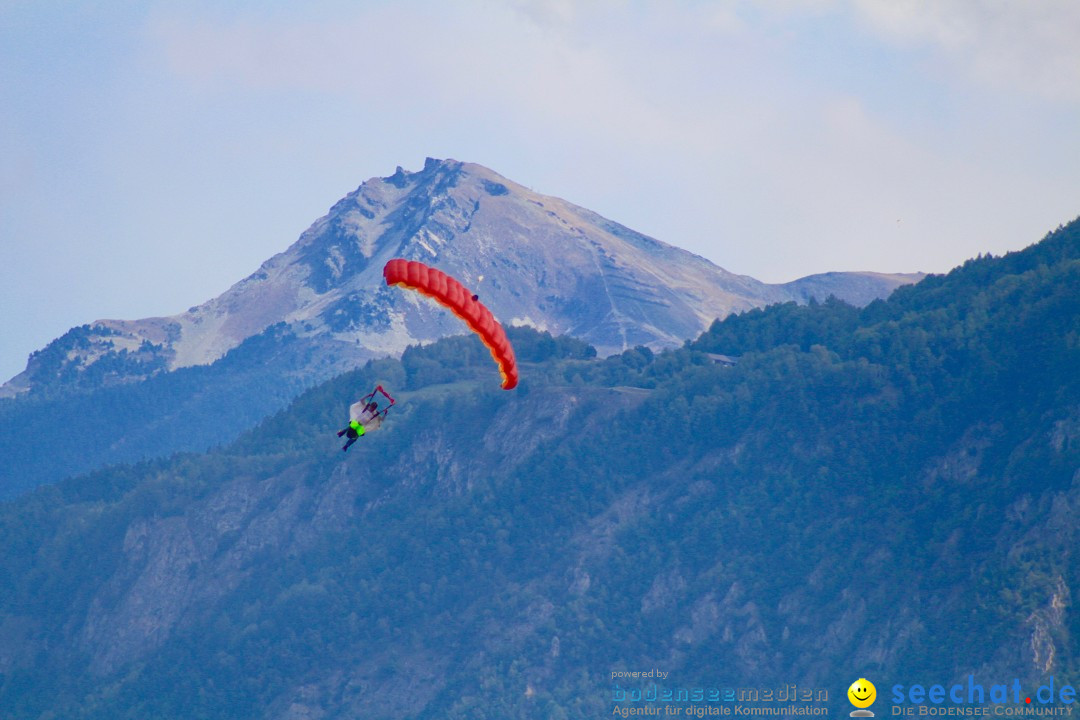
point(534, 260)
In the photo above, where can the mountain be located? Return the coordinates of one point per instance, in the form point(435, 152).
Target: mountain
point(536, 260)
point(126, 390)
point(889, 492)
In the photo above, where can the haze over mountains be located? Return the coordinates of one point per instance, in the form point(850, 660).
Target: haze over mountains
point(536, 260)
point(890, 491)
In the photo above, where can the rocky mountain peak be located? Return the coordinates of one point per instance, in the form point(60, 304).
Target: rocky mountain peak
point(536, 260)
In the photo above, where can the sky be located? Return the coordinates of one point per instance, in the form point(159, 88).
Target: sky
point(154, 153)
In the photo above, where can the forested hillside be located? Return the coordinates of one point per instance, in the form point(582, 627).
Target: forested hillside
point(891, 492)
point(50, 435)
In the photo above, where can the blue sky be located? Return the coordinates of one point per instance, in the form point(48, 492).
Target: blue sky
point(153, 153)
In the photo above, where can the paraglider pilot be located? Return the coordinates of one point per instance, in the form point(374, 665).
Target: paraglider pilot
point(356, 426)
point(364, 416)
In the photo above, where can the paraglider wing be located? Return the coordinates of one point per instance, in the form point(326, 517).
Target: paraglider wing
point(453, 295)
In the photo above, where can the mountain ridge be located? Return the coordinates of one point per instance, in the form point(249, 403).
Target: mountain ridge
point(132, 390)
point(537, 260)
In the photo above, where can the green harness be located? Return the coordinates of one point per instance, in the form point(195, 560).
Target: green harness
point(357, 427)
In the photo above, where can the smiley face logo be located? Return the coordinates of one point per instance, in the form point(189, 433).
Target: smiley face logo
point(862, 693)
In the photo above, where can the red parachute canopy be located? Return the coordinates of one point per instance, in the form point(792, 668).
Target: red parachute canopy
point(455, 296)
